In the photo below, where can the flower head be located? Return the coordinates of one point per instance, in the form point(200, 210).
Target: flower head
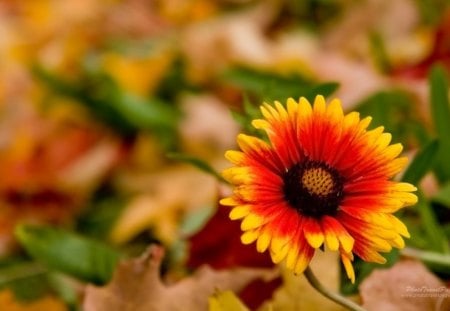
point(322, 179)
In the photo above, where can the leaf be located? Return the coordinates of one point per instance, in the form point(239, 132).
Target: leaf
point(166, 196)
point(421, 164)
point(137, 286)
point(440, 112)
point(66, 288)
point(443, 196)
point(69, 253)
point(271, 86)
point(195, 221)
point(325, 89)
point(218, 245)
point(143, 113)
point(297, 294)
point(122, 111)
point(145, 212)
point(408, 285)
point(26, 279)
point(100, 216)
point(198, 163)
point(9, 302)
point(393, 109)
point(437, 240)
point(226, 301)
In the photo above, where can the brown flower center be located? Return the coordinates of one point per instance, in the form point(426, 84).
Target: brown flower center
point(313, 188)
point(317, 181)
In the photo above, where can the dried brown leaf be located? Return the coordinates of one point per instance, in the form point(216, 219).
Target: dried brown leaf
point(136, 285)
point(407, 286)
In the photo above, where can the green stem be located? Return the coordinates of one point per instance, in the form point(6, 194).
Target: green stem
point(330, 295)
point(427, 256)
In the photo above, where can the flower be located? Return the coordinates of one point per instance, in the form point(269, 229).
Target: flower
point(322, 179)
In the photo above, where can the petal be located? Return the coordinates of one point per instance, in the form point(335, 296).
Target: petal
point(292, 106)
point(379, 219)
point(333, 226)
point(347, 262)
point(252, 221)
point(319, 105)
point(368, 254)
point(263, 241)
point(280, 255)
point(399, 226)
point(334, 111)
point(304, 258)
point(239, 212)
point(235, 157)
point(313, 232)
point(229, 201)
point(331, 240)
point(249, 237)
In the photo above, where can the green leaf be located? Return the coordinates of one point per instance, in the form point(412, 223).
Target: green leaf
point(394, 110)
point(195, 220)
point(325, 89)
point(269, 86)
point(440, 112)
point(431, 11)
point(198, 163)
point(443, 196)
point(100, 216)
point(124, 112)
point(65, 288)
point(250, 111)
point(143, 113)
point(437, 241)
point(421, 164)
point(26, 279)
point(88, 260)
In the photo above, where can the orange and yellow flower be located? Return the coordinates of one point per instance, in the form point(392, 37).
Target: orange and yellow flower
point(322, 179)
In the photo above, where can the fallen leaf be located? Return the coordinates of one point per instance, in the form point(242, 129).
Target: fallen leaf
point(297, 294)
point(226, 301)
point(144, 212)
point(235, 37)
point(136, 285)
point(407, 286)
point(218, 244)
point(8, 302)
point(167, 195)
point(207, 126)
point(47, 171)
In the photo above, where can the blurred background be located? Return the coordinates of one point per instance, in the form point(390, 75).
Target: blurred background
point(115, 115)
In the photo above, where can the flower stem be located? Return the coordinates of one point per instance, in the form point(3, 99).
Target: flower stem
point(330, 295)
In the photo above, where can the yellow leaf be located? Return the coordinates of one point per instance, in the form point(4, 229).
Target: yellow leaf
point(226, 301)
point(139, 75)
point(168, 195)
point(297, 294)
point(8, 302)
